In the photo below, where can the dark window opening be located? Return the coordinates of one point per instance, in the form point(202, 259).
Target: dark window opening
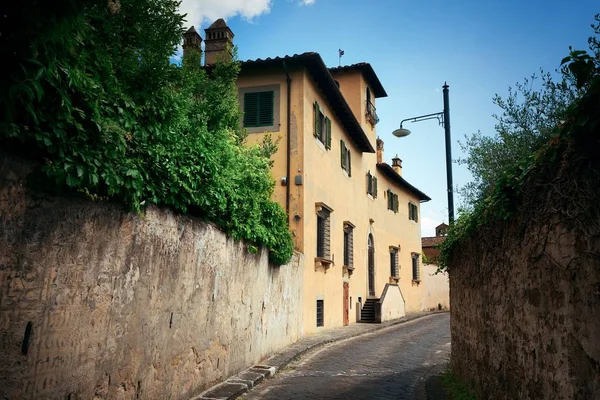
point(320, 311)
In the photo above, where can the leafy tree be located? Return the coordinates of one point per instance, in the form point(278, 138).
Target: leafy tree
point(94, 99)
point(528, 119)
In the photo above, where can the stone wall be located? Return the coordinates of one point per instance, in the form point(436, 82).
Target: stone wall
point(525, 292)
point(97, 303)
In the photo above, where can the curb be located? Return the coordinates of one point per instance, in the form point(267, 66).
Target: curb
point(246, 380)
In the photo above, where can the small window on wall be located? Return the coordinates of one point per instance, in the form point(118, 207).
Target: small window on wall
point(322, 128)
point(416, 269)
point(320, 312)
point(394, 262)
point(371, 185)
point(392, 199)
point(258, 109)
point(345, 156)
point(413, 212)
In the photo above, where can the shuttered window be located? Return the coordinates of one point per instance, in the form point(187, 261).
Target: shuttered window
point(323, 234)
point(345, 158)
point(348, 245)
point(322, 126)
point(413, 212)
point(416, 270)
point(258, 109)
point(392, 199)
point(371, 185)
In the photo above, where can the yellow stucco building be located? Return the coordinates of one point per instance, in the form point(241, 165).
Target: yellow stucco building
point(354, 216)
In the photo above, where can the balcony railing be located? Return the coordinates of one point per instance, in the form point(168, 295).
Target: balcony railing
point(372, 113)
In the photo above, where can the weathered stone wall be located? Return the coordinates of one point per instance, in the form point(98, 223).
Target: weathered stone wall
point(96, 303)
point(525, 293)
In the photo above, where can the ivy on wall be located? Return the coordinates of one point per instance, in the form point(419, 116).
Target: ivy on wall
point(92, 96)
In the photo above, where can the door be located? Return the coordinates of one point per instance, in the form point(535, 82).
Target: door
point(371, 250)
point(346, 303)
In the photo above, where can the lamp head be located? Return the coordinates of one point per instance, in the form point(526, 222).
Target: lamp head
point(401, 132)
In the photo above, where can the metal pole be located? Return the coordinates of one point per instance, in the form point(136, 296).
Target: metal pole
point(448, 155)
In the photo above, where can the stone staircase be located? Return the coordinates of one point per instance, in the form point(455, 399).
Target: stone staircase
point(367, 313)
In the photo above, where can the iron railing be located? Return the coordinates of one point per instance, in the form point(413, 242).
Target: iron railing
point(372, 113)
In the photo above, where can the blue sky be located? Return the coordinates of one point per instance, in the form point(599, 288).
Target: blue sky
point(479, 47)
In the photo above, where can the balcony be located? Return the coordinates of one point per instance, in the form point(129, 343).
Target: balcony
point(372, 113)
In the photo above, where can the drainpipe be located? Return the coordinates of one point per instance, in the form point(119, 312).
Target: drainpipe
point(288, 182)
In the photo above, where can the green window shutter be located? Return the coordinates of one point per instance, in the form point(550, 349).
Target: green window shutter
point(349, 163)
point(328, 133)
point(416, 214)
point(374, 187)
point(258, 109)
point(265, 108)
point(369, 182)
point(316, 119)
point(250, 109)
point(343, 154)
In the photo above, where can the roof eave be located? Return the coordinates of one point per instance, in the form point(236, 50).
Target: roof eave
point(393, 175)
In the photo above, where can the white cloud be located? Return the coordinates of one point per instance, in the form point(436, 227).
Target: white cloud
point(204, 12)
point(201, 12)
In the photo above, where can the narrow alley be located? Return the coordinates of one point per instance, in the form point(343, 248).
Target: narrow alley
point(387, 364)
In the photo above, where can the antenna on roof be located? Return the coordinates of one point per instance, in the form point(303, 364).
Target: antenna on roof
point(341, 53)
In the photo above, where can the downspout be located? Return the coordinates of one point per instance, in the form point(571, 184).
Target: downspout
point(288, 182)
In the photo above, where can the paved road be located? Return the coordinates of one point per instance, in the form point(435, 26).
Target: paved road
point(387, 364)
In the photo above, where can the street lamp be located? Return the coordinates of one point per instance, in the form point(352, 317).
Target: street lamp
point(444, 120)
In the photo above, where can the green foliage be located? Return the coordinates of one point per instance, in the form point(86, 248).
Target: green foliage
point(529, 115)
point(501, 167)
point(457, 389)
point(96, 99)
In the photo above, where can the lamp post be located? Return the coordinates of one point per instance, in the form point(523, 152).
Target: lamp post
point(443, 118)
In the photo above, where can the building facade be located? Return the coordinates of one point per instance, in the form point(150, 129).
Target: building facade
point(352, 215)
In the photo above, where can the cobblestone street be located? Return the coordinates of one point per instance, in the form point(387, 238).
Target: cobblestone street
point(387, 364)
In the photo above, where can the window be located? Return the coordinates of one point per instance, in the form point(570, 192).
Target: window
point(394, 262)
point(413, 212)
point(345, 156)
point(416, 272)
point(371, 185)
point(392, 200)
point(322, 128)
point(323, 237)
point(258, 109)
point(348, 244)
point(320, 310)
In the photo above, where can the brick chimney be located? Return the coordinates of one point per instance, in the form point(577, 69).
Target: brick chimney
point(191, 42)
point(218, 42)
point(397, 165)
point(379, 151)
